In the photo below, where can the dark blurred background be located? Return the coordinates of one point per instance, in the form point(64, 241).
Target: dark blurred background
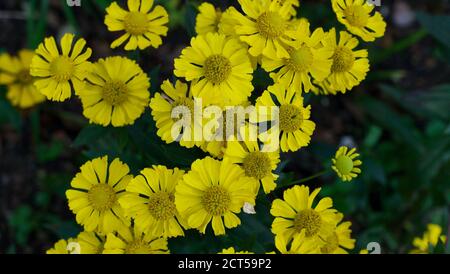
point(398, 118)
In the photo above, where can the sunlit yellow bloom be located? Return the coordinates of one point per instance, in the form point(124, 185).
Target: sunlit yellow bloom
point(58, 73)
point(227, 22)
point(430, 238)
point(298, 244)
point(91, 242)
point(340, 240)
point(61, 247)
point(143, 25)
point(345, 164)
point(208, 19)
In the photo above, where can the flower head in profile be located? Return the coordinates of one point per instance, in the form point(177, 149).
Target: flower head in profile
point(345, 163)
point(208, 18)
point(142, 23)
point(213, 192)
point(62, 247)
point(294, 126)
point(58, 72)
point(340, 241)
point(231, 250)
point(150, 200)
point(219, 68)
point(116, 92)
point(296, 214)
point(308, 59)
point(132, 240)
point(95, 192)
point(430, 239)
point(359, 18)
point(298, 244)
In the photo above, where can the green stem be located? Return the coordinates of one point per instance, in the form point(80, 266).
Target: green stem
point(323, 172)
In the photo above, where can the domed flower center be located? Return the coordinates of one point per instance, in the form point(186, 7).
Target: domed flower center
point(344, 164)
point(309, 220)
point(343, 59)
point(217, 68)
point(216, 200)
point(62, 68)
point(357, 16)
point(257, 165)
point(162, 205)
point(115, 92)
point(301, 59)
point(24, 77)
point(331, 244)
point(271, 24)
point(291, 118)
point(137, 247)
point(136, 23)
point(102, 197)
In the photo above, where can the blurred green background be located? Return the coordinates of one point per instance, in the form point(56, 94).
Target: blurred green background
point(398, 119)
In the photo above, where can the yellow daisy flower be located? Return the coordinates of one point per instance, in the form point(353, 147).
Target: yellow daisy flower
point(150, 200)
point(257, 163)
point(309, 58)
point(350, 66)
point(345, 165)
point(60, 247)
point(131, 240)
point(91, 242)
point(143, 25)
point(265, 27)
point(227, 22)
point(295, 128)
point(59, 72)
point(432, 236)
point(299, 244)
point(231, 250)
point(116, 92)
point(208, 18)
point(95, 193)
point(15, 73)
point(213, 191)
point(340, 240)
point(359, 18)
point(296, 213)
point(219, 68)
point(163, 106)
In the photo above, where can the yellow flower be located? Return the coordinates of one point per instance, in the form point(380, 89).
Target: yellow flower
point(163, 108)
point(15, 73)
point(131, 240)
point(95, 193)
point(340, 240)
point(294, 5)
point(150, 200)
point(323, 88)
point(296, 213)
point(116, 92)
point(350, 66)
point(208, 19)
point(265, 27)
point(219, 68)
point(431, 237)
point(61, 247)
point(299, 244)
point(91, 242)
point(231, 250)
point(57, 72)
point(345, 165)
point(257, 163)
point(295, 128)
point(308, 58)
point(359, 19)
point(143, 25)
point(227, 22)
point(213, 190)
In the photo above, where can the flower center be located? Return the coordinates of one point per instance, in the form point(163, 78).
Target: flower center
point(102, 197)
point(137, 247)
point(115, 92)
point(162, 205)
point(332, 243)
point(301, 59)
point(344, 164)
point(217, 68)
point(309, 220)
point(257, 165)
point(216, 200)
point(356, 16)
point(343, 59)
point(271, 24)
point(291, 118)
point(62, 68)
point(136, 23)
point(24, 77)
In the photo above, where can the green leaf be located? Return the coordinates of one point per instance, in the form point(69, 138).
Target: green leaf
point(88, 135)
point(436, 25)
